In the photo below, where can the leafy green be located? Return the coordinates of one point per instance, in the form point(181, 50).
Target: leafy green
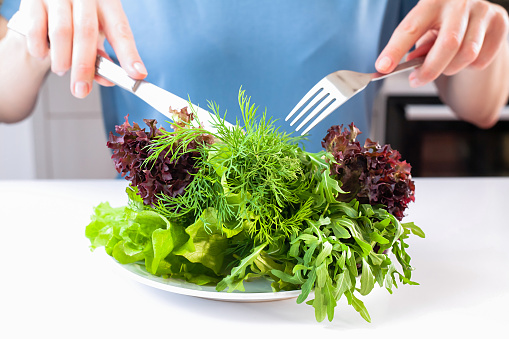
point(145, 236)
point(234, 281)
point(205, 247)
point(261, 170)
point(257, 206)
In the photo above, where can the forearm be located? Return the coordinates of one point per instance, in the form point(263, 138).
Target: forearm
point(477, 96)
point(21, 77)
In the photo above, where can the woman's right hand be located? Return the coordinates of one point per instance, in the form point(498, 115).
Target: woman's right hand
point(76, 30)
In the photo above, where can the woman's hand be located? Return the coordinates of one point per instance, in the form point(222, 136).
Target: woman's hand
point(455, 34)
point(467, 53)
point(76, 30)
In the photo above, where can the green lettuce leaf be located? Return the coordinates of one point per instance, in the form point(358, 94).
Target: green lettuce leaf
point(206, 244)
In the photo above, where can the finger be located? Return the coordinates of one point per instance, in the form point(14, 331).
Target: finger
point(448, 42)
point(423, 46)
point(495, 38)
point(422, 50)
point(118, 32)
point(418, 21)
point(472, 42)
point(84, 51)
point(37, 34)
point(60, 32)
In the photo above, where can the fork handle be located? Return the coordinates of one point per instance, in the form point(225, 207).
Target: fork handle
point(416, 62)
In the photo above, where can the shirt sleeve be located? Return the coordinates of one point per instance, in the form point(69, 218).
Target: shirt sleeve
point(8, 8)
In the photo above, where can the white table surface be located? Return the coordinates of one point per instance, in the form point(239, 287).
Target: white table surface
point(52, 286)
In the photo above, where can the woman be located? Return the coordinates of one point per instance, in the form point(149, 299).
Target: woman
point(275, 50)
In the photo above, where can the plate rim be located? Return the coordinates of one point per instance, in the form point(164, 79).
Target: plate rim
point(236, 295)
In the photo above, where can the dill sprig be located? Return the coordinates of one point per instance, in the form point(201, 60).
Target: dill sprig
point(253, 176)
point(187, 136)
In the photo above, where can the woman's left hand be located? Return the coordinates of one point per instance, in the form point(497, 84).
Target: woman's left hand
point(455, 34)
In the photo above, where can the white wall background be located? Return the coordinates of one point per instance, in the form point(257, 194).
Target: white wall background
point(17, 156)
point(63, 139)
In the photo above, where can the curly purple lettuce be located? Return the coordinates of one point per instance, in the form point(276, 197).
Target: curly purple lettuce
point(371, 173)
point(163, 176)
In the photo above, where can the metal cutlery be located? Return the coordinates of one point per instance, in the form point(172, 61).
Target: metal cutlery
point(334, 90)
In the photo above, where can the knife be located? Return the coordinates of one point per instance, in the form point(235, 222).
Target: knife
point(160, 99)
point(153, 95)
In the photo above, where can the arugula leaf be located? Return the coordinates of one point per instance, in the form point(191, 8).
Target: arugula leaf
point(295, 279)
point(414, 229)
point(367, 278)
point(375, 236)
point(307, 286)
point(234, 280)
point(343, 284)
point(339, 231)
point(324, 302)
point(358, 305)
point(365, 248)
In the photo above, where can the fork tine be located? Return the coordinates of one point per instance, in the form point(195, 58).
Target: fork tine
point(322, 95)
point(334, 105)
point(326, 101)
point(316, 88)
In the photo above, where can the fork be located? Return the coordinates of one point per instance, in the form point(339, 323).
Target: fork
point(335, 89)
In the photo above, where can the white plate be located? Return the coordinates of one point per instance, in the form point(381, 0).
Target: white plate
point(256, 290)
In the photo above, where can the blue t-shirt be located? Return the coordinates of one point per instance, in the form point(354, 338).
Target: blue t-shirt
point(275, 50)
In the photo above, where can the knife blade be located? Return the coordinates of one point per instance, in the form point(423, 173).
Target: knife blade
point(160, 99)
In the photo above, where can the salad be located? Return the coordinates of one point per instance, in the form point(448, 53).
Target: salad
point(246, 202)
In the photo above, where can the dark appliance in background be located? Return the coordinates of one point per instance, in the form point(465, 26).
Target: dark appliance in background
point(438, 145)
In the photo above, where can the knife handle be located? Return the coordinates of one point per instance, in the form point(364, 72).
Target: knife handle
point(112, 72)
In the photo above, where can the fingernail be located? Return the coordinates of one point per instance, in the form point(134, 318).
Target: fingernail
point(384, 64)
point(81, 89)
point(414, 81)
point(60, 74)
point(140, 68)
